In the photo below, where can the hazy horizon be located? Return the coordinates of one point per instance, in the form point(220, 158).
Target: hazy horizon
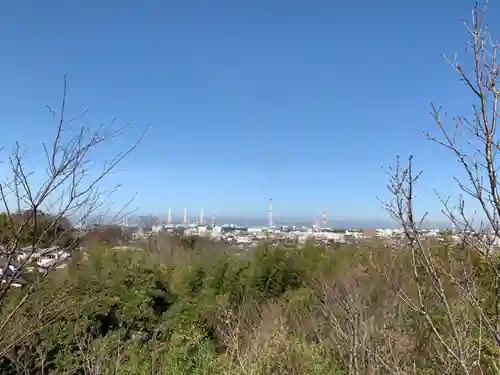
point(297, 221)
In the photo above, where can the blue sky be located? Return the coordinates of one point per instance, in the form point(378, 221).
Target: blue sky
point(303, 101)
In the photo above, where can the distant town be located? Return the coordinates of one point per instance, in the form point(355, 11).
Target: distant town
point(237, 236)
point(247, 236)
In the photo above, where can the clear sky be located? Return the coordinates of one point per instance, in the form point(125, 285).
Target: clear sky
point(303, 101)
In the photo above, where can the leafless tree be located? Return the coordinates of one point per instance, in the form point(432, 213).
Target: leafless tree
point(37, 215)
point(452, 279)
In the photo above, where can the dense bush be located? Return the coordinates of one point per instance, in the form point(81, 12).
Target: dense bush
point(269, 311)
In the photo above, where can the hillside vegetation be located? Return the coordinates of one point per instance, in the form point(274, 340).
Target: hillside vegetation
point(270, 311)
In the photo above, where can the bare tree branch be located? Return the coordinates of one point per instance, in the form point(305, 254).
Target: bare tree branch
point(39, 227)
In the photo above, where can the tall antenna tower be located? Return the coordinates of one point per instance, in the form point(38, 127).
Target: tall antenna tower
point(270, 212)
point(323, 218)
point(185, 221)
point(169, 218)
point(213, 221)
point(201, 217)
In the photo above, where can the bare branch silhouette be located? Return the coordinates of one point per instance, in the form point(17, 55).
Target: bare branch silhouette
point(36, 228)
point(451, 271)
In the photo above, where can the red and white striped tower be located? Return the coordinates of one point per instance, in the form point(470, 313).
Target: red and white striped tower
point(185, 221)
point(323, 218)
point(270, 212)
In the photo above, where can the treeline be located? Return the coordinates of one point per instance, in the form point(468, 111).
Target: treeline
point(43, 229)
point(269, 311)
point(35, 228)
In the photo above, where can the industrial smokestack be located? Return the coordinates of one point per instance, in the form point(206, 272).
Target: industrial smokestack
point(185, 221)
point(323, 218)
point(169, 218)
point(201, 217)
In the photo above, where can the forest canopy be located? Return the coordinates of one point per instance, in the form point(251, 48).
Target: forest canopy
point(35, 228)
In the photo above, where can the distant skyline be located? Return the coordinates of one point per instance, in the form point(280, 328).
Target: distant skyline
point(298, 221)
point(335, 222)
point(300, 101)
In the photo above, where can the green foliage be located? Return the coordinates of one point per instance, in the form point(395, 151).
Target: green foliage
point(268, 311)
point(38, 228)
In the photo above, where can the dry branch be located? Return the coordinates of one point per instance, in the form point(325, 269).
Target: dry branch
point(457, 289)
point(37, 217)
